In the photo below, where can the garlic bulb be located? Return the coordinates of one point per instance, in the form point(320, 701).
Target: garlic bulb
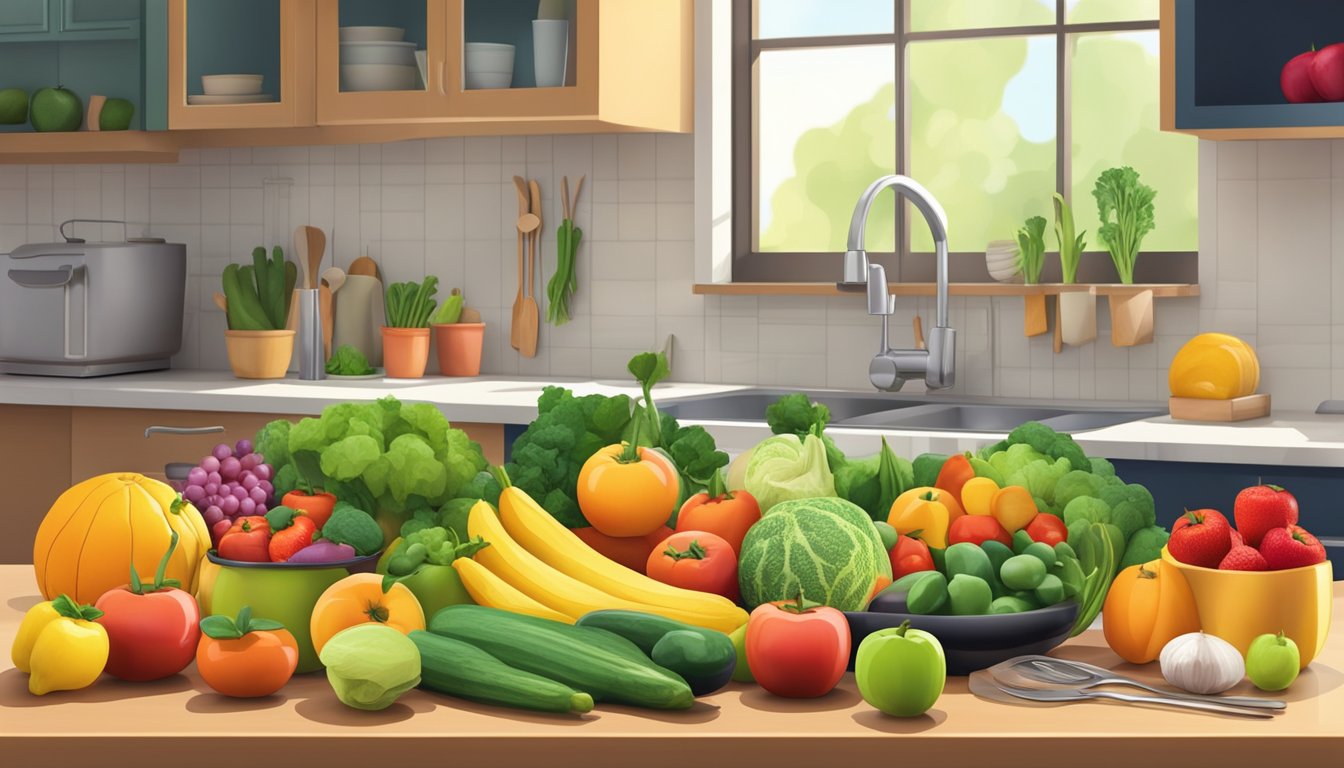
point(1201, 663)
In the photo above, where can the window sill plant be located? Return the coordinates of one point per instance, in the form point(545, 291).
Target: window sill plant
point(1076, 311)
point(257, 300)
point(408, 308)
point(458, 342)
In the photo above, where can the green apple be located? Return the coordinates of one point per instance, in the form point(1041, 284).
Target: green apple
point(741, 672)
point(1272, 662)
point(13, 106)
point(56, 109)
point(116, 115)
point(901, 671)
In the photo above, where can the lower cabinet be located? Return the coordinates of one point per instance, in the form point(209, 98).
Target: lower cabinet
point(54, 447)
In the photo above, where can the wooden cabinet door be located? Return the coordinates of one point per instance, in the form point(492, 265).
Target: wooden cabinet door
point(338, 103)
point(273, 38)
point(35, 453)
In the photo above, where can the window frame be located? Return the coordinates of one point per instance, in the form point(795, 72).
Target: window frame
point(752, 265)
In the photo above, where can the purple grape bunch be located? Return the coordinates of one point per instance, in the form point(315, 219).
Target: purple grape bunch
point(232, 482)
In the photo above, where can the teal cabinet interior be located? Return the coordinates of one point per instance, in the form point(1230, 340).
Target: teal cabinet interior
point(410, 15)
point(88, 46)
point(234, 37)
point(1229, 54)
point(507, 21)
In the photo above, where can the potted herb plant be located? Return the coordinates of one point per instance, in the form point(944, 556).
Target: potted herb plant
point(256, 304)
point(1031, 257)
point(1125, 207)
point(1077, 310)
point(408, 307)
point(458, 341)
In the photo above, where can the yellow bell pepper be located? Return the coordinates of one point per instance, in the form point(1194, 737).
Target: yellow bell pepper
point(1214, 366)
point(60, 645)
point(1013, 507)
point(927, 514)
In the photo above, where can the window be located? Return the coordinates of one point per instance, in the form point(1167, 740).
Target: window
point(994, 105)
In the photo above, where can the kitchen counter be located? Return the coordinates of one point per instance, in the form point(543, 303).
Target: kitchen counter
point(1286, 438)
point(169, 721)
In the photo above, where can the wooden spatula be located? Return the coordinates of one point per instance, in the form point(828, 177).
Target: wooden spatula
point(524, 207)
point(531, 315)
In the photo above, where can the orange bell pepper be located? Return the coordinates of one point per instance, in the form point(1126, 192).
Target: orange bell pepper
point(954, 474)
point(1014, 508)
point(1148, 606)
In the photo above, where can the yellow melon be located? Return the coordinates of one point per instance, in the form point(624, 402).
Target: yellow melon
point(98, 529)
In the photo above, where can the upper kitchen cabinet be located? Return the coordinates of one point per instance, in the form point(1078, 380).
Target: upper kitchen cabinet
point(1221, 63)
point(46, 20)
point(240, 63)
point(380, 61)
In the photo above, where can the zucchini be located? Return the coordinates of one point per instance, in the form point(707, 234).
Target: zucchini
point(607, 666)
point(704, 658)
point(465, 671)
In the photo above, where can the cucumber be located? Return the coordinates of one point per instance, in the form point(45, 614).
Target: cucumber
point(704, 658)
point(606, 665)
point(465, 671)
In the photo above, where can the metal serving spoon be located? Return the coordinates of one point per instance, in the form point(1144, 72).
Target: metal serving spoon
point(1082, 675)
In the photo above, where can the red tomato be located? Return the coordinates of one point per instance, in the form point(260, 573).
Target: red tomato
point(696, 560)
point(796, 650)
point(728, 515)
point(1047, 528)
point(910, 555)
point(152, 629)
point(977, 529)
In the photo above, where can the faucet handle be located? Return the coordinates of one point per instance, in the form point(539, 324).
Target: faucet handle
point(880, 302)
point(919, 333)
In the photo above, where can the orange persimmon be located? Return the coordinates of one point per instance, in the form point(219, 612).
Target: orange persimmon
point(628, 491)
point(245, 658)
point(1148, 606)
point(360, 598)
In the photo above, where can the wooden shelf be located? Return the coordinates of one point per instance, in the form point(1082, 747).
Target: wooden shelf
point(1160, 290)
point(88, 147)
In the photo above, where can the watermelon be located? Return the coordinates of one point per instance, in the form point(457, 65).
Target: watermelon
point(826, 547)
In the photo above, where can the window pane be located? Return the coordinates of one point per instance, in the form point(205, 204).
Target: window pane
point(982, 135)
point(1087, 11)
point(1115, 122)
point(826, 129)
point(809, 18)
point(929, 15)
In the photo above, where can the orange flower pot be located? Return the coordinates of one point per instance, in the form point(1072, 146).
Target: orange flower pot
point(459, 346)
point(259, 354)
point(405, 352)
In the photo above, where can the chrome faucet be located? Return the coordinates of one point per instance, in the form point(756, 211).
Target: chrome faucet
point(890, 368)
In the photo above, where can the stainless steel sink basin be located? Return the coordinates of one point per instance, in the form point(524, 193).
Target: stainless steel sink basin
point(937, 414)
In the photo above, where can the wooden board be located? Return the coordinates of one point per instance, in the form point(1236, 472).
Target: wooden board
point(1159, 290)
point(1236, 409)
point(1132, 319)
point(1036, 319)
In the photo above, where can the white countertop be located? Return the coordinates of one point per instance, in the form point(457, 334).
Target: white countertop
point(1286, 438)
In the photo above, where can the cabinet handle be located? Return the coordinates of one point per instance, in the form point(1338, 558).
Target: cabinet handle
point(160, 430)
point(441, 86)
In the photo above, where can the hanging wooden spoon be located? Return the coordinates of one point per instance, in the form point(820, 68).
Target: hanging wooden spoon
point(531, 317)
point(524, 207)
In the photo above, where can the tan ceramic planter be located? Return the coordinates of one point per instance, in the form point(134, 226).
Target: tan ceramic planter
point(259, 354)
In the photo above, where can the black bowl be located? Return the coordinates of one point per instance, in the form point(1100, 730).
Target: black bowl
point(975, 642)
point(358, 564)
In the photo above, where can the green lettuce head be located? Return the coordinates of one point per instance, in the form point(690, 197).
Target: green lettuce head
point(786, 467)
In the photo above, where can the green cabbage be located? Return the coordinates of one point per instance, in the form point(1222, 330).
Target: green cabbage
point(785, 467)
point(370, 665)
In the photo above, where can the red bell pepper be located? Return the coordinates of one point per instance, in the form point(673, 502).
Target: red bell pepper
point(152, 629)
point(909, 555)
point(1047, 528)
point(797, 649)
point(977, 529)
point(247, 540)
point(317, 506)
point(284, 544)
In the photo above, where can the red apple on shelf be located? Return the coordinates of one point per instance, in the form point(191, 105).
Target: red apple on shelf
point(1327, 72)
point(1291, 547)
point(1200, 537)
point(1261, 508)
point(1295, 79)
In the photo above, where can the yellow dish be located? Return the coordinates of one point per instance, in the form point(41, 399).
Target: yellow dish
point(1238, 606)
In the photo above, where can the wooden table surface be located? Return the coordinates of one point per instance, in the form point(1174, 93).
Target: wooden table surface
point(180, 722)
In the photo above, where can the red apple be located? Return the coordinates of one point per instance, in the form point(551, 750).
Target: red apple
point(1327, 72)
point(1295, 79)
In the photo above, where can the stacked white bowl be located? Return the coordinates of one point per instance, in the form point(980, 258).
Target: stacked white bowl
point(376, 59)
point(1001, 259)
point(489, 65)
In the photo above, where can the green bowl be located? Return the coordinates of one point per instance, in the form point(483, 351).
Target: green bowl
point(283, 592)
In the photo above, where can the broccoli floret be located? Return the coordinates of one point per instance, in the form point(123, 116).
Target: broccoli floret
point(1131, 507)
point(350, 525)
point(1075, 484)
point(1040, 477)
point(420, 519)
point(1102, 467)
point(280, 518)
point(1144, 546)
point(1050, 443)
point(1015, 458)
point(1085, 509)
point(991, 449)
point(482, 486)
point(438, 547)
point(453, 515)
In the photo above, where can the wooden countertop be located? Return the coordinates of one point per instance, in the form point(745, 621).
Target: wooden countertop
point(179, 721)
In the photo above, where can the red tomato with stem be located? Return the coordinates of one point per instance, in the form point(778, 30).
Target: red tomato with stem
point(797, 649)
point(725, 513)
point(910, 555)
point(152, 629)
point(696, 560)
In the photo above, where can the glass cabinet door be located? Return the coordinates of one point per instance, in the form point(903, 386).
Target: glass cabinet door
point(379, 61)
point(522, 57)
point(240, 63)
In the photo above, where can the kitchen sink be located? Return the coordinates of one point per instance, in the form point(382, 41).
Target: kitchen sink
point(935, 414)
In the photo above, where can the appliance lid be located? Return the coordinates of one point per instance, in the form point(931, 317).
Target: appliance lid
point(124, 238)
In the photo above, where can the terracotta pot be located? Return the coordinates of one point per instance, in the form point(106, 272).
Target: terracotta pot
point(405, 352)
point(459, 346)
point(259, 354)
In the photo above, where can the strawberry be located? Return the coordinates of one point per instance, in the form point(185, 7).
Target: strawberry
point(1200, 537)
point(1291, 547)
point(1262, 507)
point(1237, 541)
point(1243, 558)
